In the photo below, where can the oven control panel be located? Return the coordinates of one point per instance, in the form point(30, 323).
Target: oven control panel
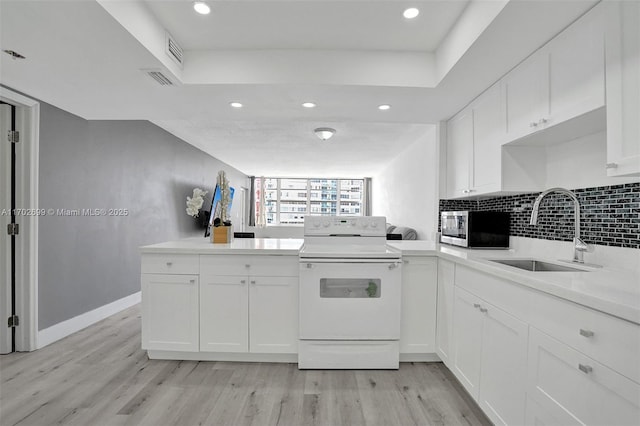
point(368, 226)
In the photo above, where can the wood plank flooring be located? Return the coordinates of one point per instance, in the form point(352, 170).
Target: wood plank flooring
point(100, 376)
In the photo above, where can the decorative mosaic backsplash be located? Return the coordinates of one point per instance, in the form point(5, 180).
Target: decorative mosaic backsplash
point(609, 215)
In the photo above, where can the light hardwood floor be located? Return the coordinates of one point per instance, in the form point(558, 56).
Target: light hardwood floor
point(100, 376)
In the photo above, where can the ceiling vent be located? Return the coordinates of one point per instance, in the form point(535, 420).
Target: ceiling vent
point(173, 49)
point(159, 77)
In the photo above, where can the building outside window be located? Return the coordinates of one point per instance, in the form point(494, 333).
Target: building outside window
point(289, 200)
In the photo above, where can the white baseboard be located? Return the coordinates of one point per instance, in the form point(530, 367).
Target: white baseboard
point(70, 326)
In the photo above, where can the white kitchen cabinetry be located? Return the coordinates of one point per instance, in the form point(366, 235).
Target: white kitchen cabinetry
point(419, 298)
point(459, 154)
point(249, 304)
point(561, 81)
point(490, 348)
point(575, 389)
point(444, 322)
point(170, 303)
point(623, 87)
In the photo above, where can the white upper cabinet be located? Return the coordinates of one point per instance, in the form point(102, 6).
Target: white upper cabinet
point(561, 81)
point(623, 87)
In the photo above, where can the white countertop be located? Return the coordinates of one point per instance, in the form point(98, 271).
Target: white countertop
point(201, 245)
point(611, 290)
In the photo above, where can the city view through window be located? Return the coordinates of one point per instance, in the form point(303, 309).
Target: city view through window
point(288, 201)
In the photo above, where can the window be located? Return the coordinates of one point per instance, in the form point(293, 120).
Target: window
point(288, 201)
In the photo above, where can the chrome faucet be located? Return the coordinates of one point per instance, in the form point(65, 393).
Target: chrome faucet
point(579, 246)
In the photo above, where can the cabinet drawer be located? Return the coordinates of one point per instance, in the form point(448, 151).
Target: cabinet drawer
point(273, 266)
point(576, 389)
point(169, 264)
point(612, 341)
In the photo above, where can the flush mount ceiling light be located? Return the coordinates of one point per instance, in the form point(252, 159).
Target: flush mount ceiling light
point(411, 13)
point(236, 104)
point(309, 105)
point(384, 107)
point(324, 133)
point(201, 7)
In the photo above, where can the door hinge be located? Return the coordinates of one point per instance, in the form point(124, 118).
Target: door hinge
point(13, 136)
point(13, 321)
point(13, 229)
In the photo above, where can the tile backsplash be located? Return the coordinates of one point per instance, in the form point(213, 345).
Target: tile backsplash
point(609, 215)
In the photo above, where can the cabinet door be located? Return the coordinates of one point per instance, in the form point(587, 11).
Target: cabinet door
point(170, 312)
point(526, 94)
point(459, 152)
point(273, 314)
point(489, 131)
point(467, 340)
point(444, 323)
point(623, 87)
point(418, 317)
point(503, 366)
point(575, 389)
point(576, 68)
point(224, 313)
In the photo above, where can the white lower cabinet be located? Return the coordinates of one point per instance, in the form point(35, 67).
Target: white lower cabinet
point(249, 304)
point(419, 298)
point(489, 357)
point(170, 312)
point(572, 388)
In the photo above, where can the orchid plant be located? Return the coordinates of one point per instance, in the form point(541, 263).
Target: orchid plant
point(194, 203)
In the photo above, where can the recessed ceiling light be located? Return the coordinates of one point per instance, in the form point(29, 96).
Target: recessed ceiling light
point(324, 133)
point(384, 107)
point(236, 104)
point(201, 7)
point(309, 105)
point(411, 13)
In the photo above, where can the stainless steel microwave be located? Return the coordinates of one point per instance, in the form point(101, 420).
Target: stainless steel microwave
point(475, 229)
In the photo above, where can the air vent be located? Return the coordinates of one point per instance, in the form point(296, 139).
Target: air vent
point(173, 49)
point(159, 77)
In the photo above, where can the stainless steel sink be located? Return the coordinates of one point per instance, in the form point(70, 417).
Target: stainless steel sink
point(537, 265)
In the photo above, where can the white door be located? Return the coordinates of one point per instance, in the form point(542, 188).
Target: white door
point(623, 87)
point(444, 323)
point(503, 367)
point(576, 68)
point(459, 153)
point(273, 314)
point(526, 96)
point(350, 300)
point(467, 340)
point(224, 316)
point(6, 339)
point(170, 312)
point(489, 132)
point(419, 294)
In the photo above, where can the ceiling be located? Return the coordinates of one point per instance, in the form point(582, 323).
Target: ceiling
point(349, 57)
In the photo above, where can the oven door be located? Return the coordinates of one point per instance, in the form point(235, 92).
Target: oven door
point(350, 299)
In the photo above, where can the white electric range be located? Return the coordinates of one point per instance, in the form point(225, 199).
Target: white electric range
point(350, 294)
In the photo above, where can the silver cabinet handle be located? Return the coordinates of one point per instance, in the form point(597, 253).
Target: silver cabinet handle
point(611, 166)
point(405, 261)
point(585, 368)
point(543, 121)
point(533, 124)
point(243, 281)
point(309, 265)
point(476, 305)
point(253, 281)
point(483, 310)
point(169, 263)
point(192, 281)
point(465, 191)
point(586, 333)
point(247, 266)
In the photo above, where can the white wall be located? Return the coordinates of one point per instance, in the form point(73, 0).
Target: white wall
point(406, 191)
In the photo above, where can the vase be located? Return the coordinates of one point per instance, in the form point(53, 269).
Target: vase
point(221, 234)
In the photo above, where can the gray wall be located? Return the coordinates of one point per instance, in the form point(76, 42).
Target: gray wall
point(88, 261)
